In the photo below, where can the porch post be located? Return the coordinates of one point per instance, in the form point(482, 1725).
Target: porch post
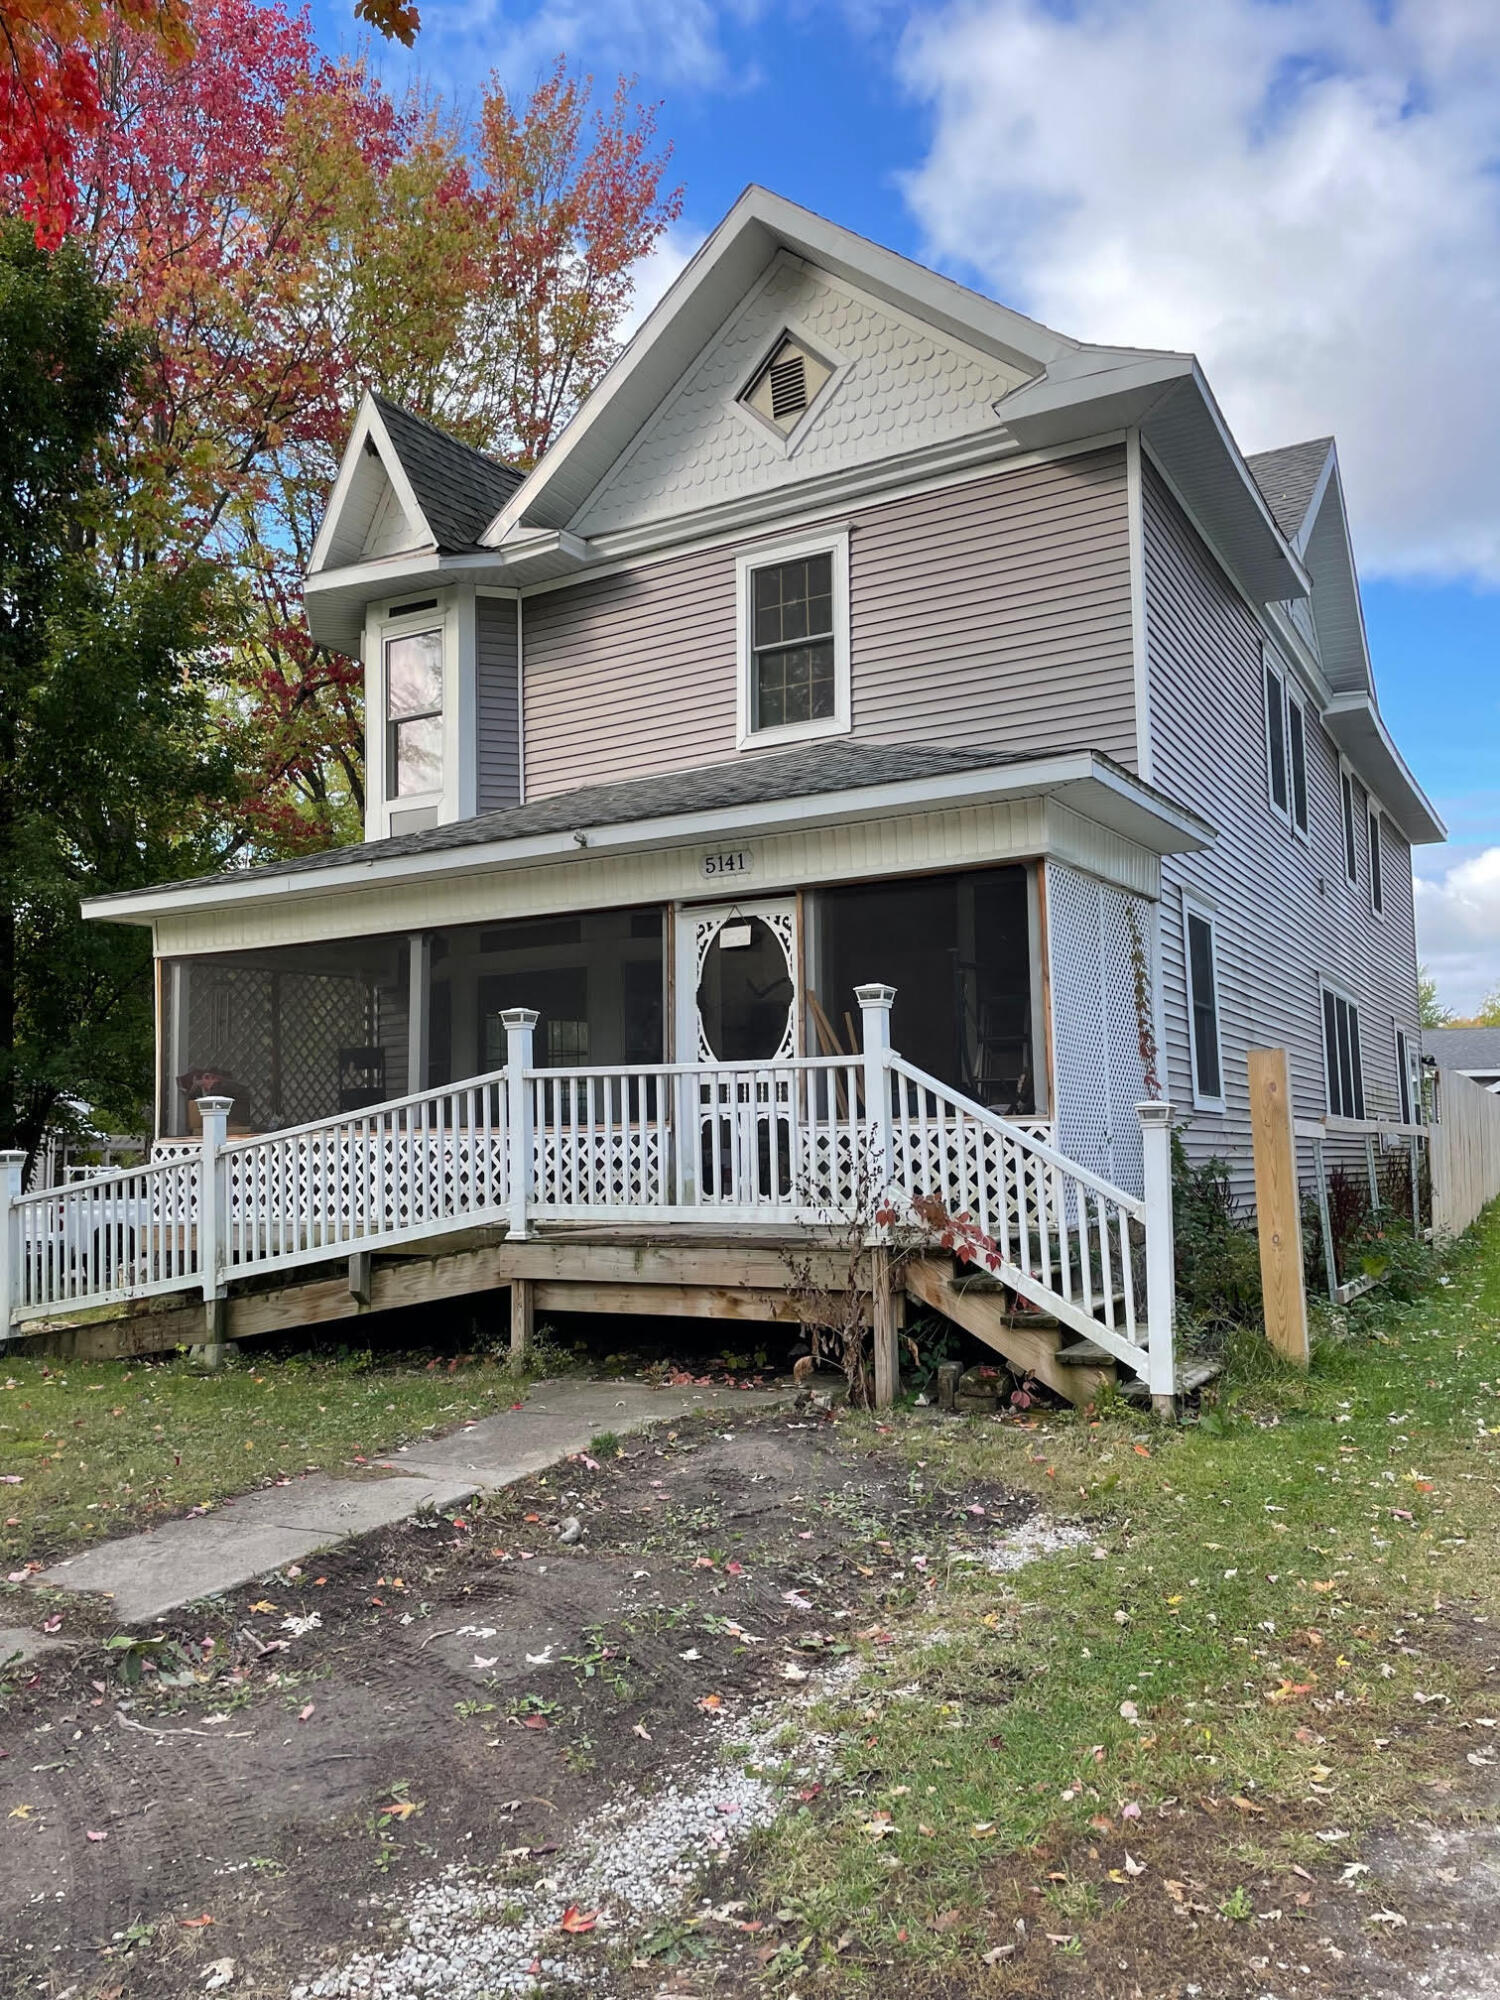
point(418, 1012)
point(875, 1032)
point(213, 1222)
point(12, 1166)
point(1161, 1283)
point(519, 1024)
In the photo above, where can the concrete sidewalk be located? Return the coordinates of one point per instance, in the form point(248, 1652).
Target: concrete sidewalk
point(148, 1575)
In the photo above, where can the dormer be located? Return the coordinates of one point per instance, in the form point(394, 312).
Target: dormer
point(398, 578)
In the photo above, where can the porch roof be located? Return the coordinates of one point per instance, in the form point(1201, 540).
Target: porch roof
point(820, 784)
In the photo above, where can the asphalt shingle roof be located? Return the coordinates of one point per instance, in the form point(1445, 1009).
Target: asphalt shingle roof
point(1287, 478)
point(458, 489)
point(1463, 1048)
point(787, 774)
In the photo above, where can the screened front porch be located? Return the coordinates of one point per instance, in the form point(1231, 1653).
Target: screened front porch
point(298, 1033)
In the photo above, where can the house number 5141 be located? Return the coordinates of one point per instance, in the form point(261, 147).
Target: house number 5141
point(726, 861)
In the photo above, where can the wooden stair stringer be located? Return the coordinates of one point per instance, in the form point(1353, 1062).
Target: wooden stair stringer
point(1029, 1350)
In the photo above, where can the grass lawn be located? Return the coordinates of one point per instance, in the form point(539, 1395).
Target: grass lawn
point(1275, 1636)
point(91, 1449)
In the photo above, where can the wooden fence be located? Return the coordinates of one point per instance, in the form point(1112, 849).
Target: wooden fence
point(1465, 1152)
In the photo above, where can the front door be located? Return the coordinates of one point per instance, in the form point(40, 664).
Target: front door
point(737, 988)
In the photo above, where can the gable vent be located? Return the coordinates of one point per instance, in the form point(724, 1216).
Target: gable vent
point(788, 386)
point(785, 384)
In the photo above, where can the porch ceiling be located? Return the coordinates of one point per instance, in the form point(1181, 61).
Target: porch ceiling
point(823, 785)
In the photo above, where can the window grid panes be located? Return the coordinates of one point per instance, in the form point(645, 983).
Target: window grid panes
point(414, 713)
point(1204, 1001)
point(1341, 1051)
point(792, 645)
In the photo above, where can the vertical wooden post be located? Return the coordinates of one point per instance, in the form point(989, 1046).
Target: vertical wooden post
point(875, 1032)
point(213, 1223)
point(12, 1166)
point(883, 1315)
point(519, 1024)
point(1161, 1255)
point(522, 1309)
point(1278, 1203)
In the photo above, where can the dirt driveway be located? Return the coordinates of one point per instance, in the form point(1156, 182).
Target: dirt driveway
point(258, 1807)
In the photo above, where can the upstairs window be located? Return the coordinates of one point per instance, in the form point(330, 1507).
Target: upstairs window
point(1276, 741)
point(1377, 885)
point(414, 714)
point(794, 642)
point(1351, 824)
point(1342, 1061)
point(1296, 757)
point(1202, 955)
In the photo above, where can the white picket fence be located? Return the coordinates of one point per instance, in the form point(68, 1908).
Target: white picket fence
point(795, 1144)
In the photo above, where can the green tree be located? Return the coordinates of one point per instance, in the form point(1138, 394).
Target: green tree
point(106, 761)
point(1432, 1012)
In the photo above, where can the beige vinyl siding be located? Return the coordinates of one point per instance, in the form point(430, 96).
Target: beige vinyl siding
point(992, 613)
point(497, 706)
point(1285, 913)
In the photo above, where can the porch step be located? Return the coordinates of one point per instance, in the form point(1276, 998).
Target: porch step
point(1191, 1375)
point(1085, 1354)
point(1029, 1343)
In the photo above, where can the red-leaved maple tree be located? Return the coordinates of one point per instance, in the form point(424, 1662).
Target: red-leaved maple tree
point(283, 237)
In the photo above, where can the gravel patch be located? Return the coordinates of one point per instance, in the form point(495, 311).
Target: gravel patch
point(1036, 1537)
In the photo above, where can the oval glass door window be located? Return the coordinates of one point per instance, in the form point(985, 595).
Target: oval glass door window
point(745, 992)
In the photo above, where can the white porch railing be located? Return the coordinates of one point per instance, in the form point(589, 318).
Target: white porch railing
point(806, 1141)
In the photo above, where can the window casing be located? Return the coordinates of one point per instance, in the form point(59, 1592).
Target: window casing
point(1201, 956)
point(794, 641)
point(1343, 1063)
point(1351, 823)
point(413, 678)
point(1408, 1077)
point(1276, 760)
point(1296, 758)
point(1377, 883)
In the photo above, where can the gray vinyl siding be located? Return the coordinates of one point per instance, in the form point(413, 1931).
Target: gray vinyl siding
point(1286, 915)
point(994, 613)
point(497, 705)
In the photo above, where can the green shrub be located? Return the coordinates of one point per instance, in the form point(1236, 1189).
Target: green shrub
point(1218, 1255)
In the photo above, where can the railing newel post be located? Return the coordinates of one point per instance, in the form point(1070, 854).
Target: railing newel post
point(520, 1026)
point(875, 1033)
point(213, 1222)
point(12, 1167)
point(1161, 1284)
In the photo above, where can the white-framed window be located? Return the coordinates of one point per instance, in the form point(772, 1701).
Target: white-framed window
point(1276, 764)
point(1377, 880)
point(1296, 763)
point(793, 637)
point(1200, 951)
point(1351, 823)
point(1408, 1076)
point(1343, 1063)
point(412, 673)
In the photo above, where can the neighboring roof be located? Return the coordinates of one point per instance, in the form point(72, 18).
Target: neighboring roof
point(1288, 477)
point(1463, 1048)
point(1081, 778)
point(459, 490)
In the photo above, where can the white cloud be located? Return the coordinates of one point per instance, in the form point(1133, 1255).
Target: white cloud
point(1303, 192)
point(659, 270)
point(1458, 929)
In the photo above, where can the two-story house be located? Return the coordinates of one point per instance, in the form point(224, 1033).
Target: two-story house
point(857, 629)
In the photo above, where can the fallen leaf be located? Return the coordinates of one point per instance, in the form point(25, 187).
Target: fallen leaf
point(89, 1834)
point(575, 1922)
point(194, 1923)
point(711, 1701)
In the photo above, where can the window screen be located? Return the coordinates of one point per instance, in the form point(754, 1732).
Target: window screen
point(1377, 886)
point(414, 714)
point(1203, 1001)
point(792, 641)
point(1296, 743)
point(1345, 1067)
point(1351, 844)
point(1276, 738)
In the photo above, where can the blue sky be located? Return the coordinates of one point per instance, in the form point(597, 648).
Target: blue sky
point(1301, 191)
